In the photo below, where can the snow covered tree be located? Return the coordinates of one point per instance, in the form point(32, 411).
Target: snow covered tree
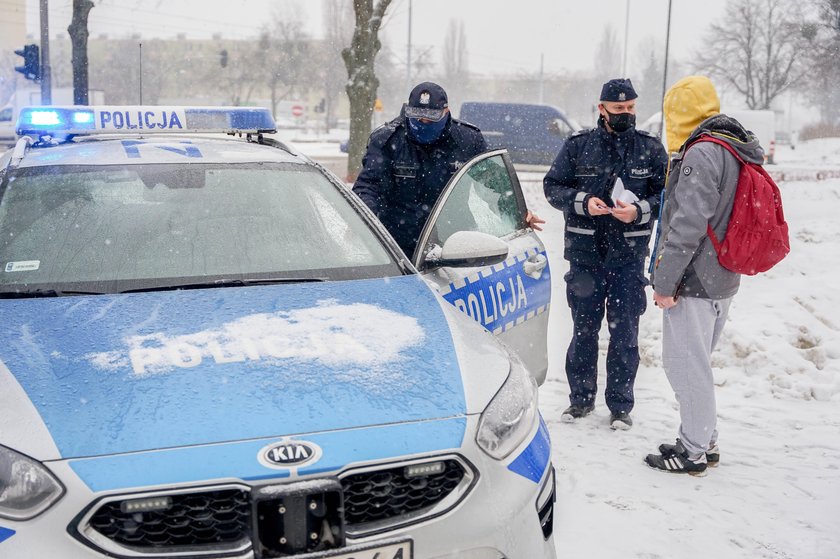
point(608, 56)
point(285, 52)
point(8, 76)
point(648, 81)
point(337, 18)
point(822, 82)
point(758, 49)
point(454, 57)
point(362, 84)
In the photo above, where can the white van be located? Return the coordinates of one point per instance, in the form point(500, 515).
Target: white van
point(763, 125)
point(760, 123)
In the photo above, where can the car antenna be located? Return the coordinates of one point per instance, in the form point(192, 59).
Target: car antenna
point(141, 72)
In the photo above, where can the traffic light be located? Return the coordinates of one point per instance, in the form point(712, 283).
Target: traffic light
point(31, 68)
point(223, 57)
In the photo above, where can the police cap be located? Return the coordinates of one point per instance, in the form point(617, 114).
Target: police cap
point(427, 100)
point(618, 90)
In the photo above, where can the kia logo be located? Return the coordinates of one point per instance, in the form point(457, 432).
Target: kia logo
point(289, 454)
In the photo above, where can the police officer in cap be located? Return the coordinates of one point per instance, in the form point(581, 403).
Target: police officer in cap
point(410, 159)
point(607, 181)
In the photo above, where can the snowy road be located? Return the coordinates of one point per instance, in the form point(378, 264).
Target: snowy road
point(776, 494)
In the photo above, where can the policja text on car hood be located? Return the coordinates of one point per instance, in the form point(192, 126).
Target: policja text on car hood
point(157, 370)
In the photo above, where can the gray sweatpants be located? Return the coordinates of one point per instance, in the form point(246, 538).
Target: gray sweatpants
point(690, 332)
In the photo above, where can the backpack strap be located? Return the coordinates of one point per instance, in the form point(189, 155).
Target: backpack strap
point(718, 141)
point(709, 138)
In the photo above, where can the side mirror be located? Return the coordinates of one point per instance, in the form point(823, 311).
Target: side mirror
point(470, 249)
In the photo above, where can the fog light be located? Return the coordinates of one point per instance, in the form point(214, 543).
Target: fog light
point(146, 505)
point(422, 470)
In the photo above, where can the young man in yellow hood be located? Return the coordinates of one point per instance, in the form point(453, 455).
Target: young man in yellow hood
point(689, 283)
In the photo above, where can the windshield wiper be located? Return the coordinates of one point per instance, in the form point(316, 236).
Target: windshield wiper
point(44, 293)
point(222, 283)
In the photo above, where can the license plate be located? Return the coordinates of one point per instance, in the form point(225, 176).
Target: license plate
point(393, 550)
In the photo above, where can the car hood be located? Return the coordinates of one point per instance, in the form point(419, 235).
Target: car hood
point(134, 372)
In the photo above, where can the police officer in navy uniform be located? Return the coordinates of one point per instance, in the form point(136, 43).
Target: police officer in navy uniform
point(606, 242)
point(410, 159)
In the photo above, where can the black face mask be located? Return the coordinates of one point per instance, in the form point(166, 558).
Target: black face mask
point(620, 122)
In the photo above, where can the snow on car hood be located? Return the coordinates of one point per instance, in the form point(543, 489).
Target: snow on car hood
point(126, 373)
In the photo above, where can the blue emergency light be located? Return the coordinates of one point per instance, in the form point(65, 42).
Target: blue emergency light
point(60, 122)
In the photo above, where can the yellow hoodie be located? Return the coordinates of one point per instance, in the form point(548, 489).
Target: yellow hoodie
point(689, 102)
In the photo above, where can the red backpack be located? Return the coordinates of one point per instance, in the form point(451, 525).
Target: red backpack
point(757, 236)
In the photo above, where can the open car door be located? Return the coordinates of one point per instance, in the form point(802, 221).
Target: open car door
point(477, 249)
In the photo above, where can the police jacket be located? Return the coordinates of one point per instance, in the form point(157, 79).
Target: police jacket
point(588, 164)
point(401, 179)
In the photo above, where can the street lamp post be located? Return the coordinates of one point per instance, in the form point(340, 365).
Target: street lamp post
point(665, 66)
point(626, 36)
point(408, 52)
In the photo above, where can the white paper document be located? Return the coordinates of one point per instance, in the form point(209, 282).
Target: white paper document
point(621, 193)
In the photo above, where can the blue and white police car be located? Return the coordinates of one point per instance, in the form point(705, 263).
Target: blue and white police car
point(210, 348)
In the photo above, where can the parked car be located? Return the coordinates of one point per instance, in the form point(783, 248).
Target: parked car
point(652, 125)
point(786, 138)
point(532, 134)
point(212, 348)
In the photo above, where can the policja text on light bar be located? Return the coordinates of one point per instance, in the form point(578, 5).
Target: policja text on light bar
point(76, 120)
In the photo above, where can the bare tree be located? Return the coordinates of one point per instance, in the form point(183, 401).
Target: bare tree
point(241, 77)
point(284, 49)
point(821, 84)
point(608, 56)
point(648, 85)
point(338, 15)
point(359, 59)
point(455, 58)
point(8, 76)
point(758, 49)
point(78, 31)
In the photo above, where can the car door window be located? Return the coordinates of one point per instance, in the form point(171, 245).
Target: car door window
point(483, 199)
point(559, 128)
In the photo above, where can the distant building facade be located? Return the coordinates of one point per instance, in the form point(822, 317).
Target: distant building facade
point(13, 25)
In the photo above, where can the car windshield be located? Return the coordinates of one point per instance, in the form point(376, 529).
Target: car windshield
point(107, 229)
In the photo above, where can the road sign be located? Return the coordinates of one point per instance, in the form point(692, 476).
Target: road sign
point(297, 110)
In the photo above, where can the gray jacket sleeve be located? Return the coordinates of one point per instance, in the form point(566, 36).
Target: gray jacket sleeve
point(693, 204)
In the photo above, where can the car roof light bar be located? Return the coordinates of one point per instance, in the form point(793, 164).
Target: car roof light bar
point(132, 120)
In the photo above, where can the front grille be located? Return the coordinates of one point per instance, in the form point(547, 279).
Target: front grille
point(388, 494)
point(219, 520)
point(193, 519)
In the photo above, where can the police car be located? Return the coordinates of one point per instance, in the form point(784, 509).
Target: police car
point(210, 348)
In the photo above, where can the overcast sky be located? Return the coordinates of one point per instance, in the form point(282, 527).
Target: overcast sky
point(503, 36)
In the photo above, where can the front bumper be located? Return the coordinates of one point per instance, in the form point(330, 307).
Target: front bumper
point(504, 510)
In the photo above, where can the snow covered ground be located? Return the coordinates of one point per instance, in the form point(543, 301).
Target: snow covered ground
point(776, 494)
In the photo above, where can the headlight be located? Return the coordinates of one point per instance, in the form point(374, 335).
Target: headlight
point(508, 418)
point(26, 487)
